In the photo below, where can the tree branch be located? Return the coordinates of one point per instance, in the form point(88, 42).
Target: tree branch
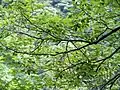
point(69, 51)
point(106, 35)
point(103, 60)
point(111, 81)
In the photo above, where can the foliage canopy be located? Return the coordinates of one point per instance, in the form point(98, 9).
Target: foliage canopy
point(42, 49)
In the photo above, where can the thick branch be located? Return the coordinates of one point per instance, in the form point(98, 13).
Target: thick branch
point(95, 42)
point(106, 35)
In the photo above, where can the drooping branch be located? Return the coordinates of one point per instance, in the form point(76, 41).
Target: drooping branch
point(68, 40)
point(29, 35)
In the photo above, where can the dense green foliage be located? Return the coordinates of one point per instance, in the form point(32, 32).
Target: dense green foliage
point(41, 49)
